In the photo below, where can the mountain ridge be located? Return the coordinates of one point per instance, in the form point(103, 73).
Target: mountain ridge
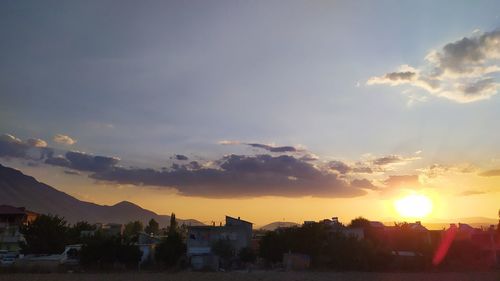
point(20, 190)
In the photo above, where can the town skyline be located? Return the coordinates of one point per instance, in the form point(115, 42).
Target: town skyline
point(273, 112)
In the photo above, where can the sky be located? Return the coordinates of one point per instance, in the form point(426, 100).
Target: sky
point(267, 110)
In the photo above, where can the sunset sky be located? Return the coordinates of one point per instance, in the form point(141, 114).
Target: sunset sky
point(267, 110)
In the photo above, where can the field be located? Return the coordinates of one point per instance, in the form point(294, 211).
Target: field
point(258, 276)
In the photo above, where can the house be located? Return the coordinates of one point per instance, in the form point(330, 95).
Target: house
point(356, 232)
point(15, 216)
point(111, 229)
point(201, 238)
point(487, 241)
point(465, 231)
point(147, 244)
point(335, 226)
point(11, 220)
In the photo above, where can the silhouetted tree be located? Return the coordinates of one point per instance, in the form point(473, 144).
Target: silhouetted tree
point(47, 234)
point(173, 223)
point(74, 232)
point(273, 245)
point(498, 226)
point(359, 222)
point(369, 232)
point(152, 228)
point(171, 249)
point(132, 230)
point(104, 251)
point(247, 254)
point(327, 246)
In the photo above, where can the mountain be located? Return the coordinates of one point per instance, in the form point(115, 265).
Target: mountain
point(20, 190)
point(272, 226)
point(437, 223)
point(478, 222)
point(469, 220)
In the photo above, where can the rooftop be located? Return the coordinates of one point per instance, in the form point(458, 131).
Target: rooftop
point(11, 210)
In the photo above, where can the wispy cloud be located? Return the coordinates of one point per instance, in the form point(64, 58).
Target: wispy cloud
point(472, 192)
point(436, 170)
point(268, 147)
point(461, 71)
point(181, 157)
point(401, 181)
point(490, 173)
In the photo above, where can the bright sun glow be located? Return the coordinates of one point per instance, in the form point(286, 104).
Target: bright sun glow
point(413, 206)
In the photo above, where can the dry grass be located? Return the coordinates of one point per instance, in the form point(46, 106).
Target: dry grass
point(257, 276)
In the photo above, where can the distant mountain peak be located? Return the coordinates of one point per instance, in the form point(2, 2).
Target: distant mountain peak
point(125, 204)
point(274, 225)
point(18, 189)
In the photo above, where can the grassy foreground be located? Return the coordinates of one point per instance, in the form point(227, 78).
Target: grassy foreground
point(260, 276)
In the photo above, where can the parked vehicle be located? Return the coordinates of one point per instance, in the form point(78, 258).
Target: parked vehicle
point(8, 259)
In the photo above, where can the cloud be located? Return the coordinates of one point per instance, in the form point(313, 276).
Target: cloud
point(83, 162)
point(393, 160)
point(64, 139)
point(181, 157)
point(228, 142)
point(270, 148)
point(363, 183)
point(309, 157)
point(33, 148)
point(472, 192)
point(436, 170)
point(58, 161)
point(362, 170)
point(72, 172)
point(240, 176)
point(461, 71)
point(491, 173)
point(36, 142)
point(394, 78)
point(401, 181)
point(339, 167)
point(10, 146)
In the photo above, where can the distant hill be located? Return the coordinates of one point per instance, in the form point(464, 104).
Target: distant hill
point(274, 225)
point(20, 190)
point(470, 220)
point(477, 222)
point(437, 224)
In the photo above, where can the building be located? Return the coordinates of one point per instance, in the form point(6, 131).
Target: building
point(15, 216)
point(108, 229)
point(201, 238)
point(147, 244)
point(486, 241)
point(11, 220)
point(335, 226)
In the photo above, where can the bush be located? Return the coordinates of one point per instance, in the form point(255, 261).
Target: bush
point(247, 255)
point(103, 252)
point(171, 249)
point(47, 234)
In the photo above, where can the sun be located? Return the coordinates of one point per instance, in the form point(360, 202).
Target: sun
point(413, 206)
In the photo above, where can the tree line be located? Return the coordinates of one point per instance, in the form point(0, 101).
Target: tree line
point(50, 234)
point(403, 248)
